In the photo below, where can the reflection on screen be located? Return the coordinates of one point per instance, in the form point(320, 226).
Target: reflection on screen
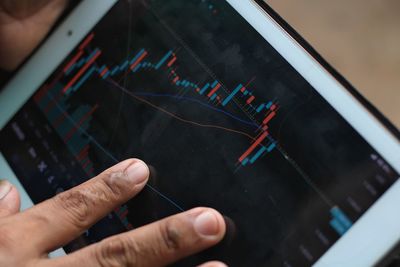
point(225, 121)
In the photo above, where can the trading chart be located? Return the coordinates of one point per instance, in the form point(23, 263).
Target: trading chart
point(189, 87)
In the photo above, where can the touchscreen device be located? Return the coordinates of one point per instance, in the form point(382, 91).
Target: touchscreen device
point(230, 112)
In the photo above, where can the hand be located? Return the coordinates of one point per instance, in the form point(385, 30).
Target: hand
point(27, 237)
point(23, 25)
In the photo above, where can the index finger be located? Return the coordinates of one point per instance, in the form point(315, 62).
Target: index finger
point(65, 216)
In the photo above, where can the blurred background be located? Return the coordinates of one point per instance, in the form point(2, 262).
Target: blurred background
point(360, 38)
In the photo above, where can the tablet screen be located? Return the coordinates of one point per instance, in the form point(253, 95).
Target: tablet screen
point(192, 89)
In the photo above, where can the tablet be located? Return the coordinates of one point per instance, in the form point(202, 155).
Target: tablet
point(231, 110)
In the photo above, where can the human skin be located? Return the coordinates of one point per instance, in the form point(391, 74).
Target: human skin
point(23, 25)
point(27, 237)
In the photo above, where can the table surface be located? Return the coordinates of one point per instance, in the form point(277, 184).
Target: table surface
point(361, 39)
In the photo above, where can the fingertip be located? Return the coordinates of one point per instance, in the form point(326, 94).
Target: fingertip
point(214, 264)
point(14, 198)
point(5, 188)
point(9, 198)
point(137, 172)
point(209, 223)
point(133, 171)
point(123, 165)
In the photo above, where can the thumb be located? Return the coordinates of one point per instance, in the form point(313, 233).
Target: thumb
point(9, 199)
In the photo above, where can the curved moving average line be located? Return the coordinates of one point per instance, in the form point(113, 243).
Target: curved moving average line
point(250, 123)
point(175, 116)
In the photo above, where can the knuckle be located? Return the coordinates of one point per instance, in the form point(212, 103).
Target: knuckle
point(171, 234)
point(118, 252)
point(76, 204)
point(111, 183)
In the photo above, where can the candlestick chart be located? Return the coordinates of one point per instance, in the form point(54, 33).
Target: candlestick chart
point(83, 67)
point(223, 120)
point(53, 97)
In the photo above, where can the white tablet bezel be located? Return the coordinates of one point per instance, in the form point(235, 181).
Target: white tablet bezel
point(371, 237)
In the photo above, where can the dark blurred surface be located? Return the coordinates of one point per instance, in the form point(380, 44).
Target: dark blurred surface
point(393, 261)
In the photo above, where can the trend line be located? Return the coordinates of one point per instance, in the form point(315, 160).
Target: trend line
point(198, 102)
point(105, 151)
point(177, 117)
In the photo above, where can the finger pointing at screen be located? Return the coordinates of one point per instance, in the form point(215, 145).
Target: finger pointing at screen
point(59, 220)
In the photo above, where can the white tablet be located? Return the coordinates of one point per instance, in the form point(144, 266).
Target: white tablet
point(231, 108)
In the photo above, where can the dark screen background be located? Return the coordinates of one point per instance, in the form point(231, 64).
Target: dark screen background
point(314, 179)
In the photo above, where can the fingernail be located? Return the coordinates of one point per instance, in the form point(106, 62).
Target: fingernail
point(219, 264)
point(137, 172)
point(207, 224)
point(5, 188)
point(213, 264)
